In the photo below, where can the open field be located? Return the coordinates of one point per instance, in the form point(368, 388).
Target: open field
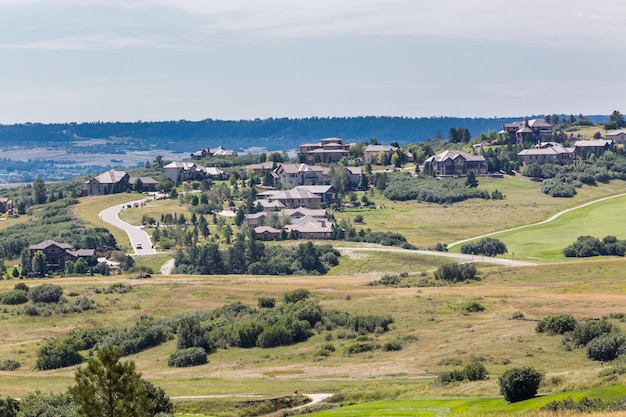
point(428, 321)
point(425, 224)
point(547, 241)
point(155, 209)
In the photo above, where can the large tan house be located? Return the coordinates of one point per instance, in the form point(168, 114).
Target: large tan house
point(325, 151)
point(534, 130)
point(453, 162)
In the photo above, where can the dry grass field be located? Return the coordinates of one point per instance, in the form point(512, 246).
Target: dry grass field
point(429, 322)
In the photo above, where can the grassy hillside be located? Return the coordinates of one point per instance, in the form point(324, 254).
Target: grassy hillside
point(429, 322)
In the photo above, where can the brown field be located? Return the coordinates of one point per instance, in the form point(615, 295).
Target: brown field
point(429, 321)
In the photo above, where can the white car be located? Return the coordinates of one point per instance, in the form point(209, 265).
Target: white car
point(139, 246)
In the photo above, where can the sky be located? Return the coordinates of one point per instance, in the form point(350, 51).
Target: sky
point(130, 60)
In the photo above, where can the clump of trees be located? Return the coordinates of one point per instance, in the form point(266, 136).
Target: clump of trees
point(403, 187)
point(487, 246)
point(586, 246)
point(253, 257)
point(558, 324)
point(474, 371)
point(456, 272)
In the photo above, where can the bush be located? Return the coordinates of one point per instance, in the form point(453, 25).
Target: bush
point(45, 293)
point(392, 345)
point(584, 333)
point(606, 347)
point(9, 365)
point(472, 307)
point(296, 295)
point(188, 357)
point(456, 272)
point(359, 347)
point(518, 384)
point(59, 354)
point(267, 302)
point(474, 371)
point(14, 297)
point(559, 324)
point(487, 246)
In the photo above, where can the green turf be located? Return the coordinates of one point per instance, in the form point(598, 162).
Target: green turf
point(455, 406)
point(547, 241)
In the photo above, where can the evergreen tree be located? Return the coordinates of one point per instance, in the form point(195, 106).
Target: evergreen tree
point(40, 191)
point(40, 266)
point(107, 387)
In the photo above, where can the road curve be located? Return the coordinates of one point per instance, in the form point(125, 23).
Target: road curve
point(136, 235)
point(548, 220)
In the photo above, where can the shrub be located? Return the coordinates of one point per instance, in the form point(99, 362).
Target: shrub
point(456, 272)
point(474, 371)
point(188, 357)
point(518, 384)
point(392, 345)
point(358, 347)
point(606, 347)
point(14, 297)
point(59, 354)
point(9, 365)
point(487, 246)
point(584, 333)
point(472, 307)
point(559, 324)
point(45, 293)
point(296, 295)
point(267, 302)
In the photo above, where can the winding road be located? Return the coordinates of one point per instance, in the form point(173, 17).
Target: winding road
point(136, 234)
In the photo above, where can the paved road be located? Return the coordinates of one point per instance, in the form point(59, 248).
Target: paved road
point(135, 234)
point(460, 256)
point(548, 220)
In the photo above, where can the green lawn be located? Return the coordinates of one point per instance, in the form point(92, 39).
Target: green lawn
point(457, 406)
point(547, 241)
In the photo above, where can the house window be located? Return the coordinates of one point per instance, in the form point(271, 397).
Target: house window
point(53, 250)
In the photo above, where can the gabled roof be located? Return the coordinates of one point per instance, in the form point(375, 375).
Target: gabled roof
point(592, 143)
point(453, 154)
point(263, 229)
point(181, 165)
point(616, 132)
point(551, 150)
point(82, 253)
point(110, 177)
point(144, 180)
point(354, 170)
point(47, 243)
point(378, 148)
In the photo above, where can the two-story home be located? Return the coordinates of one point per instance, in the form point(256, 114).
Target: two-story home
point(325, 151)
point(584, 148)
point(110, 182)
point(617, 136)
point(373, 152)
point(301, 174)
point(453, 162)
point(57, 254)
point(546, 153)
point(309, 196)
point(530, 130)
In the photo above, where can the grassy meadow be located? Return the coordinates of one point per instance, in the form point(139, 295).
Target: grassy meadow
point(429, 322)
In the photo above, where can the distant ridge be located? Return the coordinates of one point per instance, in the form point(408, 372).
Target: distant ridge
point(271, 134)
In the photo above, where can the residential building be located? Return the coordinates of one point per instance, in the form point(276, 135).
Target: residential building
point(303, 223)
point(373, 152)
point(301, 174)
point(453, 162)
point(203, 153)
point(309, 196)
point(325, 151)
point(528, 130)
point(617, 136)
point(182, 171)
point(546, 152)
point(57, 254)
point(148, 184)
point(584, 148)
point(110, 182)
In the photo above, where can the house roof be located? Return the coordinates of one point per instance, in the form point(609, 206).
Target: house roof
point(263, 229)
point(378, 148)
point(616, 132)
point(181, 165)
point(551, 150)
point(354, 170)
point(144, 180)
point(592, 143)
point(453, 154)
point(110, 177)
point(212, 171)
point(316, 189)
point(273, 204)
point(82, 253)
point(47, 243)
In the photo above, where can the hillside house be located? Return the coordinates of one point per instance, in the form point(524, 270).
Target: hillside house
point(303, 223)
point(373, 152)
point(528, 130)
point(57, 254)
point(110, 182)
point(149, 184)
point(546, 153)
point(325, 151)
point(584, 148)
point(617, 136)
point(309, 196)
point(203, 153)
point(453, 163)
